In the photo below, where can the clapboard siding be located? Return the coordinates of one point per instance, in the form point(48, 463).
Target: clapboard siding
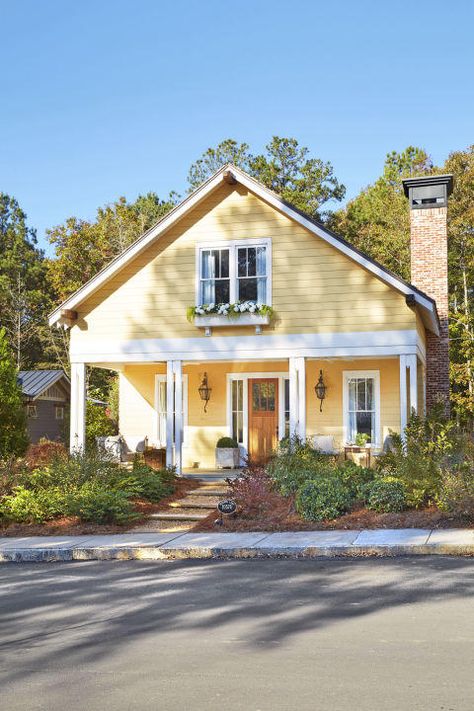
point(315, 287)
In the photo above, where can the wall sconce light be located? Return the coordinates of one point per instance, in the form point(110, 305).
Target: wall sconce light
point(205, 391)
point(320, 390)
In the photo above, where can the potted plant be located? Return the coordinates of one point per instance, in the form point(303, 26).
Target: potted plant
point(362, 439)
point(227, 453)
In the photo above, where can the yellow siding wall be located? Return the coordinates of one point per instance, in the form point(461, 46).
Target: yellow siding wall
point(315, 287)
point(137, 418)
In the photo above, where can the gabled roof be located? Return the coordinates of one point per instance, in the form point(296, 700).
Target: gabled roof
point(34, 382)
point(427, 304)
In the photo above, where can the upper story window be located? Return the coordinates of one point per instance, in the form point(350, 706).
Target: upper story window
point(238, 271)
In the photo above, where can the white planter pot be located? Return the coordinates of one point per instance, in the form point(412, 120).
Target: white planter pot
point(227, 457)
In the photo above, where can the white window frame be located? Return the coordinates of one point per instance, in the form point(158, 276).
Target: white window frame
point(32, 411)
point(59, 408)
point(281, 376)
point(161, 378)
point(232, 246)
point(346, 376)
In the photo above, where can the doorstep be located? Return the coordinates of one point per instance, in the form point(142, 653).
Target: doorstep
point(297, 544)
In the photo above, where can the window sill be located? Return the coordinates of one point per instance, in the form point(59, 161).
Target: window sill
point(219, 321)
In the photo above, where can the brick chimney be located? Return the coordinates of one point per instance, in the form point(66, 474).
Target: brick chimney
point(428, 199)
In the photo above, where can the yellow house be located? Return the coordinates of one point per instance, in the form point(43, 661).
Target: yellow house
point(312, 309)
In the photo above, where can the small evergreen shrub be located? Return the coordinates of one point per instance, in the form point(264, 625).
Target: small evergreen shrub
point(295, 463)
point(323, 498)
point(227, 443)
point(26, 506)
point(386, 495)
point(457, 492)
point(92, 502)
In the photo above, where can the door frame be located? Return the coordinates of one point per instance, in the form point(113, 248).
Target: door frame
point(281, 376)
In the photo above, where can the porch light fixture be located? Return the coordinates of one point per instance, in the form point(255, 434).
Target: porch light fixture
point(320, 390)
point(205, 391)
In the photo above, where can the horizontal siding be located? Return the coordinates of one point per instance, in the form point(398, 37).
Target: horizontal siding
point(315, 287)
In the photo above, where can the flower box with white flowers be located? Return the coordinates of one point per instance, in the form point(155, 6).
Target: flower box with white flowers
point(245, 313)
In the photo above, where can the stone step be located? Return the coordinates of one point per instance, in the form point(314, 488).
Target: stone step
point(210, 492)
point(192, 505)
point(178, 516)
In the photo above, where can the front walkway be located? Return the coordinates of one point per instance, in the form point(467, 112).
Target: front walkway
point(301, 544)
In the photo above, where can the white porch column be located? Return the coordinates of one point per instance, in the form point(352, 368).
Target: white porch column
point(78, 408)
point(301, 398)
point(403, 394)
point(297, 369)
point(169, 412)
point(178, 410)
point(294, 410)
point(412, 364)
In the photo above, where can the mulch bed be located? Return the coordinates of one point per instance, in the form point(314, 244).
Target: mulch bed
point(72, 526)
point(281, 520)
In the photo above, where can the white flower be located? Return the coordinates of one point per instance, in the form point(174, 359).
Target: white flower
point(199, 310)
point(252, 308)
point(236, 308)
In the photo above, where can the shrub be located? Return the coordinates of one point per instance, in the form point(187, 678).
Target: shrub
point(431, 445)
point(355, 478)
point(27, 506)
point(93, 502)
point(253, 493)
point(457, 492)
point(227, 443)
point(12, 474)
point(386, 495)
point(44, 452)
point(98, 424)
point(295, 463)
point(323, 498)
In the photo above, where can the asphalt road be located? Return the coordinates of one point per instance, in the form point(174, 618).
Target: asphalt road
point(251, 635)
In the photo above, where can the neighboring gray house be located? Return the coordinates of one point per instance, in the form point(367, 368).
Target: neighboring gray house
point(47, 397)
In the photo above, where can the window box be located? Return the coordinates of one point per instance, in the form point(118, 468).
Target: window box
point(243, 319)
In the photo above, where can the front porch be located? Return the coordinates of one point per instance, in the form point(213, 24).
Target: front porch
point(257, 402)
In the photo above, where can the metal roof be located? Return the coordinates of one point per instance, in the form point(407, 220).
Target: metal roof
point(34, 382)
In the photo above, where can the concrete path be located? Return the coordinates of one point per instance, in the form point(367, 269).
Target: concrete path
point(299, 544)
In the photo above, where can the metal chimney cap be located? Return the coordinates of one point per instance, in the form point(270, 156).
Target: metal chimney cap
point(425, 180)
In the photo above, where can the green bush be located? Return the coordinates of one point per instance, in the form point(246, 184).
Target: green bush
point(323, 498)
point(432, 444)
point(386, 495)
point(227, 443)
point(296, 463)
point(98, 424)
point(27, 506)
point(457, 492)
point(355, 478)
point(92, 502)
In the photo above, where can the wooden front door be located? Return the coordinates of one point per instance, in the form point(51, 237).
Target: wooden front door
point(263, 418)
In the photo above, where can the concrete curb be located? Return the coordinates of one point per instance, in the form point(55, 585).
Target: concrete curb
point(299, 544)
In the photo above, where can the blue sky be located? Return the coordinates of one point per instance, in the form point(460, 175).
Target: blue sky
point(108, 98)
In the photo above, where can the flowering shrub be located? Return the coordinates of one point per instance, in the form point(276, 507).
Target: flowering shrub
point(230, 310)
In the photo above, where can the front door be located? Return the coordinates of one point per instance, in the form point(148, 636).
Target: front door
point(263, 419)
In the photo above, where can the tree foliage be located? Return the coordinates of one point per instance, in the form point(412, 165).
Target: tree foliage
point(13, 436)
point(25, 294)
point(285, 167)
point(83, 248)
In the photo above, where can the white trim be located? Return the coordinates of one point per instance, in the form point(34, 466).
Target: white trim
point(346, 376)
point(427, 306)
point(369, 344)
point(232, 246)
point(169, 412)
point(281, 376)
point(178, 415)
